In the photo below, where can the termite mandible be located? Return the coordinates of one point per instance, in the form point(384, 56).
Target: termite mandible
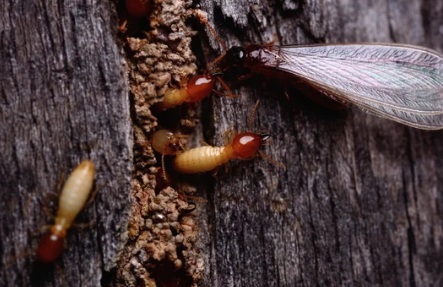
point(72, 199)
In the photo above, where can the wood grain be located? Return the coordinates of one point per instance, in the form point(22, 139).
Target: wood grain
point(359, 202)
point(63, 98)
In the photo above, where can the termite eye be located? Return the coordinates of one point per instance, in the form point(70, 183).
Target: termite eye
point(246, 145)
point(235, 56)
point(199, 87)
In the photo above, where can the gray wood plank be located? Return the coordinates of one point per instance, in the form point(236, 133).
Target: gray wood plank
point(359, 201)
point(63, 98)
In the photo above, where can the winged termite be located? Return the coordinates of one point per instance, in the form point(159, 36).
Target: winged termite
point(398, 82)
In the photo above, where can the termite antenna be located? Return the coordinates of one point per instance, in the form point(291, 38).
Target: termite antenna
point(200, 15)
point(271, 160)
point(211, 65)
point(252, 115)
point(225, 86)
point(163, 168)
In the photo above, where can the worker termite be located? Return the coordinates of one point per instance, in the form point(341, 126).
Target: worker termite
point(196, 89)
point(199, 86)
point(241, 146)
point(72, 199)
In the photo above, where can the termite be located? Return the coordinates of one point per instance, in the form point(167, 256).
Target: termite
point(242, 146)
point(402, 83)
point(398, 82)
point(196, 89)
point(199, 86)
point(72, 199)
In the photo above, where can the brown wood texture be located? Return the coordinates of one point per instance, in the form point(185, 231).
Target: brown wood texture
point(63, 98)
point(359, 202)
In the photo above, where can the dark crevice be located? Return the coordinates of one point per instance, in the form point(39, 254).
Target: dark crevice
point(412, 249)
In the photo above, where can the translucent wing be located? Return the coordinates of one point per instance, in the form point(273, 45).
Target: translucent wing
point(399, 82)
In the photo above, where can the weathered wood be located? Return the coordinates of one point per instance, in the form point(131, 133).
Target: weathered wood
point(359, 200)
point(359, 203)
point(63, 98)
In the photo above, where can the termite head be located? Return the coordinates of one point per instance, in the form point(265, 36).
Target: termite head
point(235, 56)
point(166, 142)
point(235, 63)
point(246, 145)
point(199, 87)
point(51, 245)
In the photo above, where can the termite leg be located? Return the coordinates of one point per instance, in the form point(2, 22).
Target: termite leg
point(204, 20)
point(229, 94)
point(163, 168)
point(252, 115)
point(229, 135)
point(271, 160)
point(93, 195)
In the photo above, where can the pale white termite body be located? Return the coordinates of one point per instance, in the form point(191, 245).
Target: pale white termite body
point(202, 159)
point(72, 199)
point(243, 146)
point(75, 193)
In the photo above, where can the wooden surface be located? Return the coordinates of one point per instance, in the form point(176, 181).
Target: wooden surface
point(359, 202)
point(63, 98)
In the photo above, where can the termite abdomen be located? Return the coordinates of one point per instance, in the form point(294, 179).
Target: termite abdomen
point(202, 159)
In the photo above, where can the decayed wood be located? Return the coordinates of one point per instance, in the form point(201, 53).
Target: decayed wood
point(63, 98)
point(359, 202)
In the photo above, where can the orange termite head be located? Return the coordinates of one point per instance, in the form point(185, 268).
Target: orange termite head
point(51, 245)
point(199, 87)
point(246, 145)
